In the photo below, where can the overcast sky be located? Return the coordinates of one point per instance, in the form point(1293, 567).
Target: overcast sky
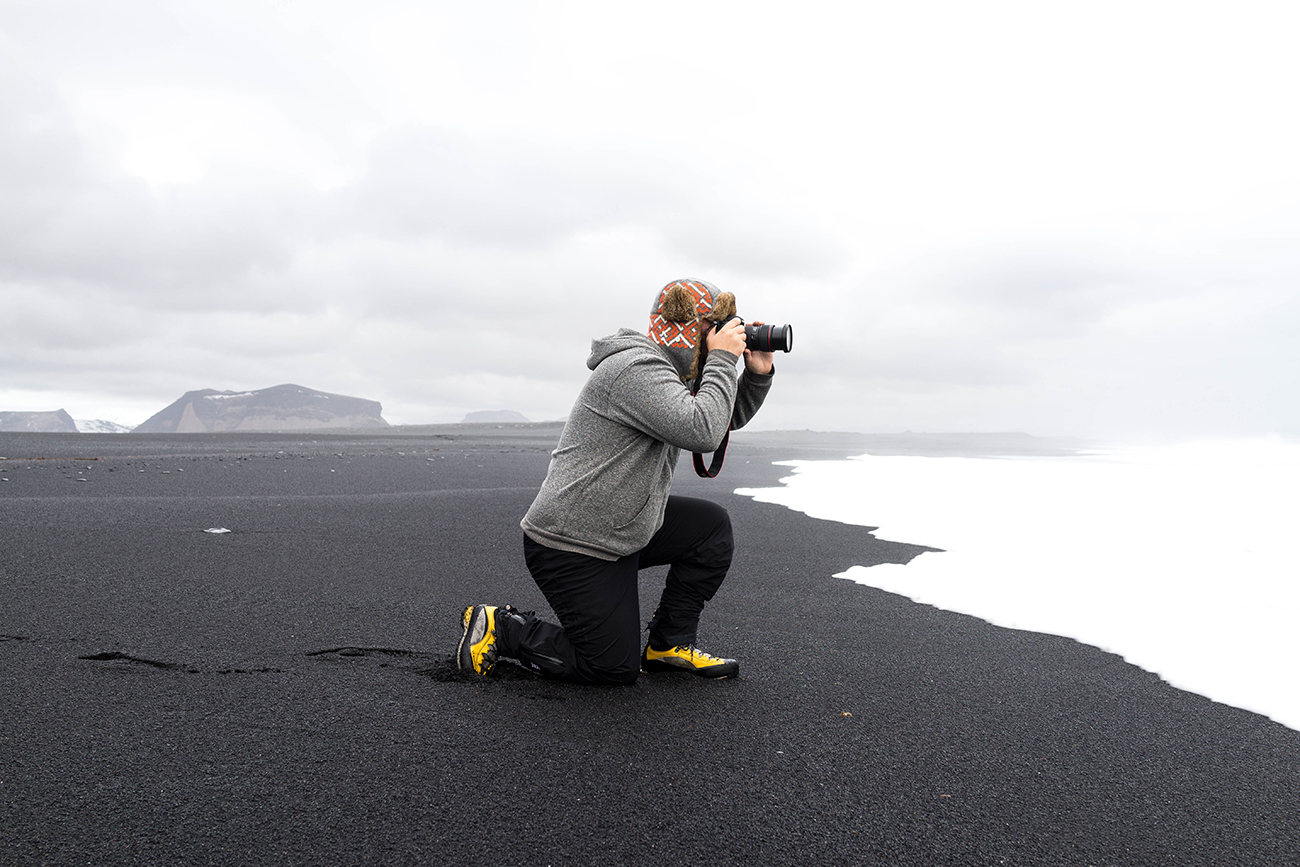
point(1055, 218)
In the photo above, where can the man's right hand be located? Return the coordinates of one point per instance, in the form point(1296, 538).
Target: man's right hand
point(731, 338)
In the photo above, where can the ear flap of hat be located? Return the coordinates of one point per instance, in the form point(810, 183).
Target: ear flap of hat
point(678, 304)
point(724, 305)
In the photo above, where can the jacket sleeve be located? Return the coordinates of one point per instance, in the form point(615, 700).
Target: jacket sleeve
point(649, 396)
point(750, 394)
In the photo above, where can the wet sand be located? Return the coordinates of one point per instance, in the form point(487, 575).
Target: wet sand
point(284, 693)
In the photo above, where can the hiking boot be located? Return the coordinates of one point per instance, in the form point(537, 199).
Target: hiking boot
point(477, 650)
point(687, 657)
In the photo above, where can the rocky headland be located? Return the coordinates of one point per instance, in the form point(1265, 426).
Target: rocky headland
point(279, 408)
point(57, 421)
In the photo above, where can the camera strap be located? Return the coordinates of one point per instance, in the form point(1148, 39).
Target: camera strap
point(718, 455)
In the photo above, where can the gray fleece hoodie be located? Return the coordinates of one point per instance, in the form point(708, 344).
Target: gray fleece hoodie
point(608, 481)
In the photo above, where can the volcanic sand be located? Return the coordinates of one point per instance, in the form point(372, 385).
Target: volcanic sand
point(285, 692)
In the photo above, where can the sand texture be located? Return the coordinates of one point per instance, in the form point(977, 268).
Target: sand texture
point(284, 693)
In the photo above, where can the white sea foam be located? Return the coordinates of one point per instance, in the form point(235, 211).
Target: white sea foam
point(1182, 560)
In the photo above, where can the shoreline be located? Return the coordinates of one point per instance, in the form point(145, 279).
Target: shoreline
point(285, 692)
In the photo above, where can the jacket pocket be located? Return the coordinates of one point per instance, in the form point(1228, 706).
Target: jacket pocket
point(639, 515)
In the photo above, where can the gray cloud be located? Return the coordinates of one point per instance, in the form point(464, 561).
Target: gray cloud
point(460, 262)
point(432, 183)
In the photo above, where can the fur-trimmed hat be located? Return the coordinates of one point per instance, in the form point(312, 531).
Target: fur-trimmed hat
point(678, 310)
point(681, 305)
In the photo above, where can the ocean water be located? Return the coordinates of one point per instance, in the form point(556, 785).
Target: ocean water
point(1184, 560)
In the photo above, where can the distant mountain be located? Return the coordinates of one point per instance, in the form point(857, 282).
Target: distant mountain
point(98, 425)
point(57, 421)
point(279, 408)
point(494, 416)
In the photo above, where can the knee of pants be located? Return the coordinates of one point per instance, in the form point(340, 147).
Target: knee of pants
point(621, 676)
point(721, 543)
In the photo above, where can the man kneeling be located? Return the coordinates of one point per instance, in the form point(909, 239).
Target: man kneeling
point(604, 511)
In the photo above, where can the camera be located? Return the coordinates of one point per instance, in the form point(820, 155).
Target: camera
point(764, 338)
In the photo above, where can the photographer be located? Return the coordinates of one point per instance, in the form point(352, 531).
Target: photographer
point(604, 510)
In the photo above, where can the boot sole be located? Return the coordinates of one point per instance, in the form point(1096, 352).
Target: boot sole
point(727, 669)
point(465, 649)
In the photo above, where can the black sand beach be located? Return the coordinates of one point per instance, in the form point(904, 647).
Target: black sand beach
point(284, 693)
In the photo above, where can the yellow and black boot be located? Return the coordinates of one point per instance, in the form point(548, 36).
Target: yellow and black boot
point(689, 658)
point(477, 650)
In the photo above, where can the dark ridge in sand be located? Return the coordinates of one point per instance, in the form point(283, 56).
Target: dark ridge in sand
point(285, 693)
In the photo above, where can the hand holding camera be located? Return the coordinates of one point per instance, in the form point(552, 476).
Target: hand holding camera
point(761, 337)
point(756, 360)
point(728, 335)
point(759, 341)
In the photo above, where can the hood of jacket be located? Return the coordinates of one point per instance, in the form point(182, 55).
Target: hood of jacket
point(626, 339)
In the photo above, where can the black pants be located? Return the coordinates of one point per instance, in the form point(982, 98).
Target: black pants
point(596, 600)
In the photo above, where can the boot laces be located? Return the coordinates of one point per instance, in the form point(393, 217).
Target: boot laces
point(699, 655)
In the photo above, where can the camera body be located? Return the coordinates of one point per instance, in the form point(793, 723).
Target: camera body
point(764, 338)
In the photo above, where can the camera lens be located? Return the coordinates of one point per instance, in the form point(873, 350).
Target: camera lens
point(769, 338)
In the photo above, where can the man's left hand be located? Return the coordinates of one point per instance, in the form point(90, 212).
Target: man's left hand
point(758, 362)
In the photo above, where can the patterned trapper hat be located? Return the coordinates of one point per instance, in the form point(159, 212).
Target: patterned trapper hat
point(680, 306)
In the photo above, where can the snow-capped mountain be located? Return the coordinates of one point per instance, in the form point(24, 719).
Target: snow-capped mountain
point(99, 425)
